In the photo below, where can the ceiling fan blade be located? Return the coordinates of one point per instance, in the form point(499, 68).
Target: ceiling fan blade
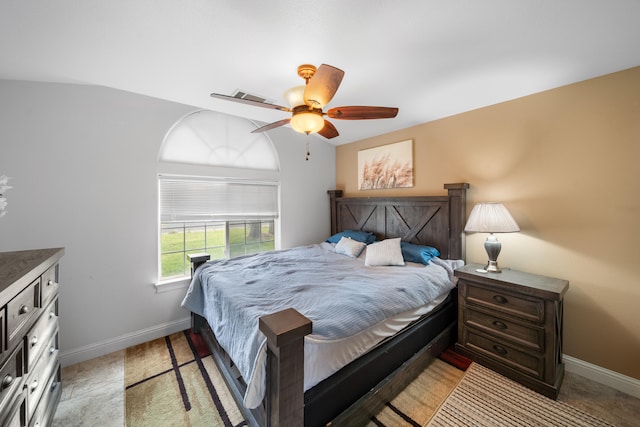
point(272, 125)
point(362, 113)
point(329, 130)
point(250, 102)
point(322, 86)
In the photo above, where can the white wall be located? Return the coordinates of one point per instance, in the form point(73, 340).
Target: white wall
point(84, 164)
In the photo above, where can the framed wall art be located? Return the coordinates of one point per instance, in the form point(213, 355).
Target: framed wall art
point(387, 166)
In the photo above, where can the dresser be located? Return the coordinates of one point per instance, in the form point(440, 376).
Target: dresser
point(30, 385)
point(511, 322)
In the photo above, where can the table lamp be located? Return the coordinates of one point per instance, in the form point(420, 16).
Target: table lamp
point(491, 217)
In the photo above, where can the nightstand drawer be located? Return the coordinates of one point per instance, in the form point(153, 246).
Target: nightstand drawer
point(519, 306)
point(532, 364)
point(524, 335)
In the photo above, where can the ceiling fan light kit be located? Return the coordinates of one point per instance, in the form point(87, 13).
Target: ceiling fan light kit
point(306, 103)
point(306, 119)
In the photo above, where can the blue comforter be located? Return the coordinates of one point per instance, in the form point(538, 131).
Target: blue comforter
point(339, 294)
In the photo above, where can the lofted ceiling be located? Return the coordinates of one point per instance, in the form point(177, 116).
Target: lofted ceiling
point(429, 58)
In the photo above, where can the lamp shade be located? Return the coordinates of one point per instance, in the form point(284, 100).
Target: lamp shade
point(307, 121)
point(490, 217)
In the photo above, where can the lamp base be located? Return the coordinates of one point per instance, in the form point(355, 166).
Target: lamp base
point(492, 267)
point(492, 246)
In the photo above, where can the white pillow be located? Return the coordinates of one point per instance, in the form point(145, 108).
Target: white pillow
point(349, 247)
point(386, 252)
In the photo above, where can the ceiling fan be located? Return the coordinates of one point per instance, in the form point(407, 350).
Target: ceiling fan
point(306, 103)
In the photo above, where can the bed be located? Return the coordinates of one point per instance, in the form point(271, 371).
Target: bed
point(268, 375)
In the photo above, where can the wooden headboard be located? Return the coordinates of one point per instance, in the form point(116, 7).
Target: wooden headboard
point(436, 221)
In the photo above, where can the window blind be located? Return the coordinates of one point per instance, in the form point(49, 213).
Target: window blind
point(187, 200)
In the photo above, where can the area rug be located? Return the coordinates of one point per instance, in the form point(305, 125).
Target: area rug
point(485, 398)
point(415, 405)
point(173, 381)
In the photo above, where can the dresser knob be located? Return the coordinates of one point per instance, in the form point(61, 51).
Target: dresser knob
point(34, 341)
point(500, 299)
point(52, 350)
point(6, 382)
point(23, 309)
point(499, 349)
point(34, 385)
point(498, 324)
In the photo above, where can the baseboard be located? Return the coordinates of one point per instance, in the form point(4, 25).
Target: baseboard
point(92, 351)
point(617, 381)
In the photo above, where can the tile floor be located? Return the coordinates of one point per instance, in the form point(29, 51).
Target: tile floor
point(93, 395)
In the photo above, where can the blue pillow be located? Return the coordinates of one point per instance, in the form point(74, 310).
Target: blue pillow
point(360, 236)
point(418, 253)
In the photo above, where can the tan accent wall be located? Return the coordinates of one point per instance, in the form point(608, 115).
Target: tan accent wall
point(566, 163)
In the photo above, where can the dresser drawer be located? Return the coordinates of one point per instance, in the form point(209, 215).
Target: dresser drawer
point(11, 373)
point(40, 375)
point(505, 302)
point(532, 364)
point(529, 336)
point(16, 412)
point(41, 333)
point(49, 284)
point(43, 414)
point(3, 339)
point(22, 310)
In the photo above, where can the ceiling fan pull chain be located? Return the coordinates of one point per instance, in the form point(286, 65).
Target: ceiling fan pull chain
point(308, 153)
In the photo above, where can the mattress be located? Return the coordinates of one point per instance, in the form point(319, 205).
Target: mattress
point(370, 304)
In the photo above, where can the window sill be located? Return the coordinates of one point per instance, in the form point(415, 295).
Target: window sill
point(172, 285)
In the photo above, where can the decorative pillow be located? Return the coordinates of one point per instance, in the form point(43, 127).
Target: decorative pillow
point(360, 236)
point(349, 247)
point(386, 252)
point(418, 253)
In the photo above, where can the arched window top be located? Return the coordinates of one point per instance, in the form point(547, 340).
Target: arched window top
point(216, 139)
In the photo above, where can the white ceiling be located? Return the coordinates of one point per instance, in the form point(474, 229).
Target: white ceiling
point(430, 58)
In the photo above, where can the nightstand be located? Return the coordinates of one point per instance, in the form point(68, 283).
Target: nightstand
point(511, 322)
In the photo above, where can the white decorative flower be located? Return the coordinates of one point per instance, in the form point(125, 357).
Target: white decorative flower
point(3, 200)
point(3, 184)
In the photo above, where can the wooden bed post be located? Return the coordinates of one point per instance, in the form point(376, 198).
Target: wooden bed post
point(196, 261)
point(285, 332)
point(333, 195)
point(457, 215)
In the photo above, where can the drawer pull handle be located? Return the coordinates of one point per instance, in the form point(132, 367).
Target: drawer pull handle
point(498, 324)
point(52, 314)
point(499, 349)
point(34, 341)
point(23, 309)
point(52, 350)
point(6, 382)
point(51, 282)
point(500, 299)
point(34, 385)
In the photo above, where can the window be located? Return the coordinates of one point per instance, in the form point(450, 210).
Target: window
point(224, 218)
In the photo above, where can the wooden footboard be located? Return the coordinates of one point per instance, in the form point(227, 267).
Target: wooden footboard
point(348, 398)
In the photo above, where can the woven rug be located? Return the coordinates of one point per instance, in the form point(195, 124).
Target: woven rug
point(485, 398)
point(173, 381)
